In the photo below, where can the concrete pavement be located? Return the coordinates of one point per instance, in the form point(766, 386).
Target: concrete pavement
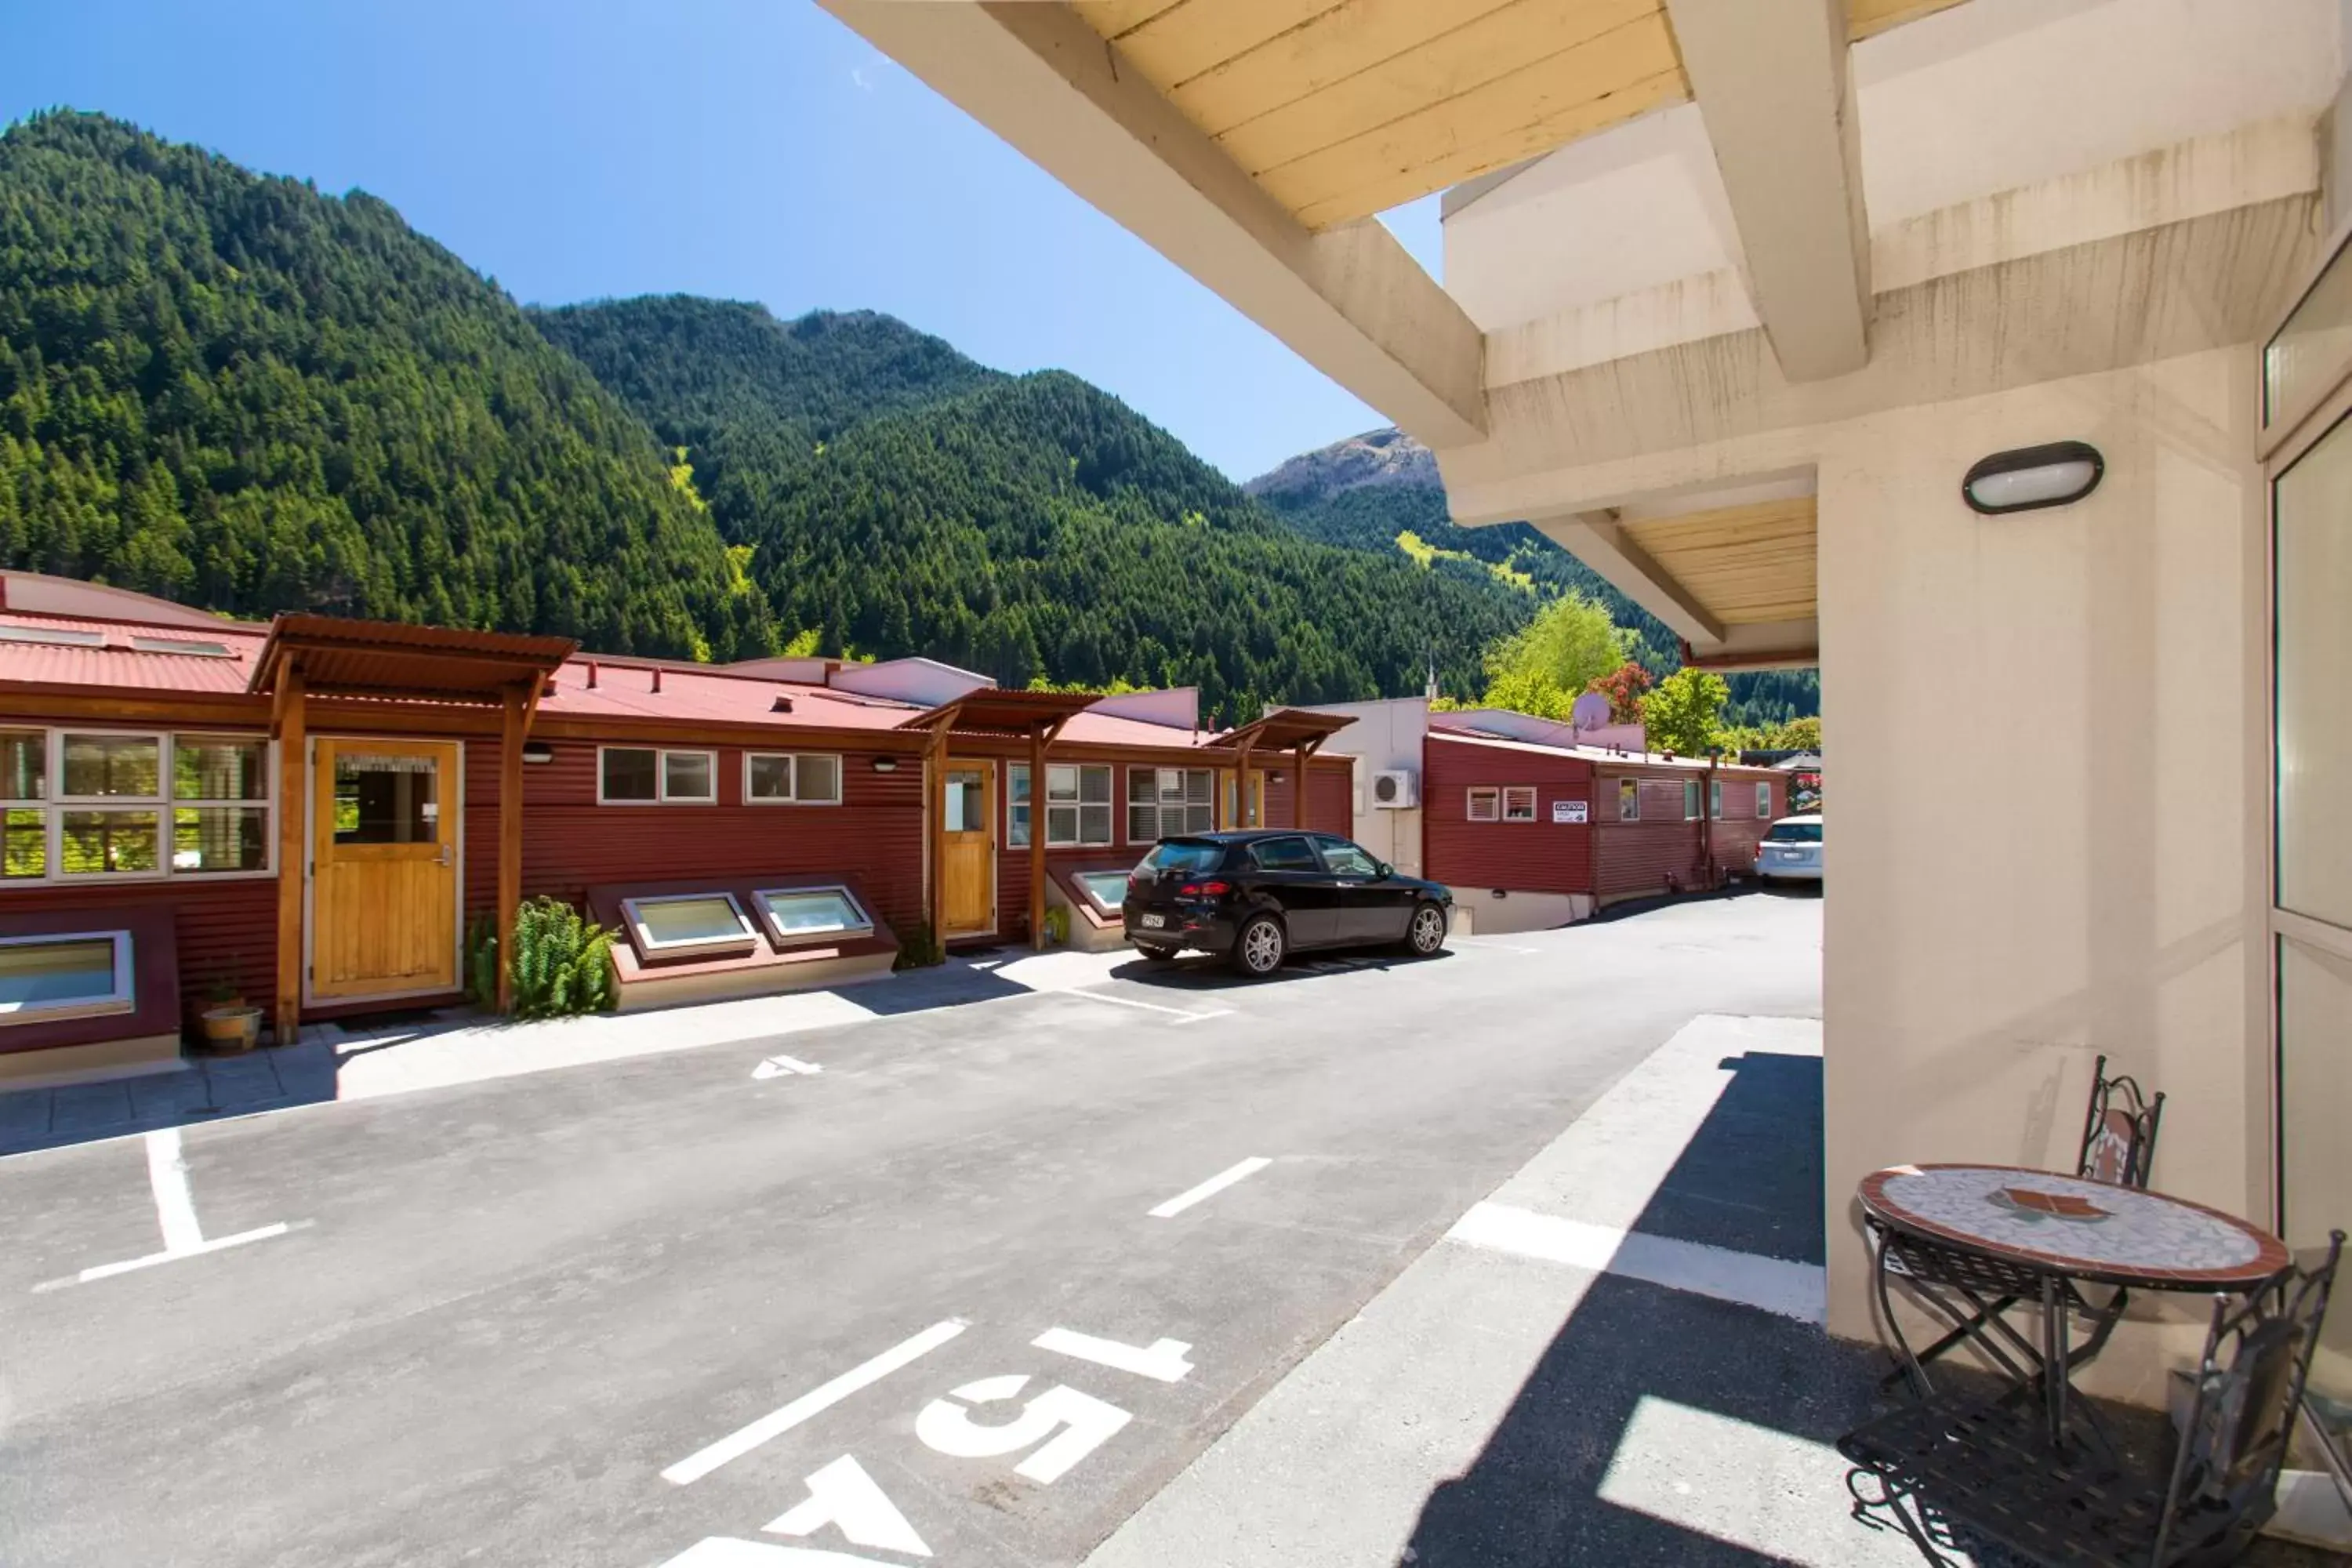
point(605, 1314)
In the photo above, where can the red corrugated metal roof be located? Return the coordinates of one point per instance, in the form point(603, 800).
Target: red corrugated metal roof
point(115, 663)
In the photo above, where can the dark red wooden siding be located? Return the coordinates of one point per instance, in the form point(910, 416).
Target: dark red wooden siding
point(1331, 798)
point(1539, 857)
point(1664, 847)
point(570, 843)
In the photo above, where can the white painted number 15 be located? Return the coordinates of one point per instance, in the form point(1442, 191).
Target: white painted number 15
point(1077, 1424)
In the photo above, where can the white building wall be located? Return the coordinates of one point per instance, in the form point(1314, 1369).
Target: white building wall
point(1386, 734)
point(1990, 930)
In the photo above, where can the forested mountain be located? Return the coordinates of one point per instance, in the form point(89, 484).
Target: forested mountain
point(899, 499)
point(1381, 492)
point(239, 393)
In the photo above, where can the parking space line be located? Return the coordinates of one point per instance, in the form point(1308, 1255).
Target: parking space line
point(171, 1255)
point(816, 1401)
point(1182, 1015)
point(176, 1205)
point(1211, 1187)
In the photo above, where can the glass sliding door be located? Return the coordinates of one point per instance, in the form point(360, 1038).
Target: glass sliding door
point(2310, 469)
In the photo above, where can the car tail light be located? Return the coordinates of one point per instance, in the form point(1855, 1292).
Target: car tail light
point(1207, 890)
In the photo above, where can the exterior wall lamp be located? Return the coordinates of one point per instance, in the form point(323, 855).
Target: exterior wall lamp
point(2029, 477)
point(885, 764)
point(538, 752)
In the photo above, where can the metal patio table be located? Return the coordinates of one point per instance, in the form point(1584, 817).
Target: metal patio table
point(2002, 1236)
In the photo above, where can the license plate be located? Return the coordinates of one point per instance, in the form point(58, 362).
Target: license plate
point(1153, 922)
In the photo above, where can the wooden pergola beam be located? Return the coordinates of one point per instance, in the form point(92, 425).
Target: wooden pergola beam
point(1040, 741)
point(287, 724)
point(935, 783)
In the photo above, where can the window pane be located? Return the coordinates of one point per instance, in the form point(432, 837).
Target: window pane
point(1062, 824)
point(1093, 784)
point(630, 773)
point(2313, 585)
point(221, 839)
point(1016, 827)
point(685, 775)
point(2311, 348)
point(27, 848)
point(97, 842)
point(1171, 785)
point(1017, 784)
point(1714, 797)
point(1094, 824)
point(771, 778)
point(127, 765)
point(1200, 818)
point(23, 764)
point(967, 801)
point(1284, 854)
point(671, 922)
point(1061, 782)
point(1629, 800)
point(819, 912)
point(1763, 800)
point(1347, 860)
point(1200, 787)
point(1108, 888)
point(386, 798)
point(34, 975)
point(817, 779)
point(1142, 823)
point(1143, 784)
point(207, 769)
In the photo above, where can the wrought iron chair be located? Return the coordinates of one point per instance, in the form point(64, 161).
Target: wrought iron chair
point(2118, 1147)
point(1943, 1464)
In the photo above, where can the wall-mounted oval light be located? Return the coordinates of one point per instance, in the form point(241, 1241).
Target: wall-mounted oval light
point(885, 764)
point(2031, 477)
point(538, 752)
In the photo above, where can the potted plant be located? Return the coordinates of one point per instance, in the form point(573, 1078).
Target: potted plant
point(229, 1025)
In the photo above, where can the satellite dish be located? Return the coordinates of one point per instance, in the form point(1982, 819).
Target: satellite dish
point(1591, 712)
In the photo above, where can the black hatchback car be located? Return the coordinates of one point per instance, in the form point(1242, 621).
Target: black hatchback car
point(1258, 894)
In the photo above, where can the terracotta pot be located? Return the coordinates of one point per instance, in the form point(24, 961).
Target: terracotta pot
point(237, 1029)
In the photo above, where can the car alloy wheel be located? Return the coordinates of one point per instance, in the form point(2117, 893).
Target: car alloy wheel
point(1260, 946)
point(1428, 930)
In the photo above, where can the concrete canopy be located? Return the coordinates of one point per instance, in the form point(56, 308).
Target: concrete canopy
point(1682, 237)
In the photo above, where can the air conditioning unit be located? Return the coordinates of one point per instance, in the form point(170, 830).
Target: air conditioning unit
point(1395, 790)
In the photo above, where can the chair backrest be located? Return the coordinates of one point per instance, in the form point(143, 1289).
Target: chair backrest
point(2119, 1131)
point(2249, 1387)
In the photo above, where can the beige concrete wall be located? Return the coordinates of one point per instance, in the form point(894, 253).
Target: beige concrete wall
point(2049, 738)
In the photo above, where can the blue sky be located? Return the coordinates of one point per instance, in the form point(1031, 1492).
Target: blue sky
point(750, 149)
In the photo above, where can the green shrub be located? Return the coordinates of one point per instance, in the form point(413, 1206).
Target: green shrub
point(482, 961)
point(1057, 925)
point(562, 963)
point(918, 948)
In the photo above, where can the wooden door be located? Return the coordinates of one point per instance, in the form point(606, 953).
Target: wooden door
point(968, 865)
point(383, 885)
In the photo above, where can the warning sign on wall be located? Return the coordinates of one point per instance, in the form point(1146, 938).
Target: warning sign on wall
point(1567, 811)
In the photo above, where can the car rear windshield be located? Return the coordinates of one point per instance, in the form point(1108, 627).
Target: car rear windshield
point(1184, 855)
point(1795, 833)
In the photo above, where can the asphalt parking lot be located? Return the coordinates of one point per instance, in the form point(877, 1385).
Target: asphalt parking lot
point(966, 1286)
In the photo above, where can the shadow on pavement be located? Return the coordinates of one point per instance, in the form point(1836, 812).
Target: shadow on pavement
point(205, 1089)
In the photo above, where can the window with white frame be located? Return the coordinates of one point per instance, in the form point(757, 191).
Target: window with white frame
point(1764, 800)
point(646, 776)
point(1162, 803)
point(1077, 805)
point(1629, 800)
point(1519, 803)
point(684, 925)
point(1690, 800)
point(1486, 804)
point(71, 975)
point(797, 915)
point(1714, 799)
point(78, 804)
point(791, 778)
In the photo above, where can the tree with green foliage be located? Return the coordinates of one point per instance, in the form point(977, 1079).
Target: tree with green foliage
point(235, 392)
point(1541, 667)
point(1684, 713)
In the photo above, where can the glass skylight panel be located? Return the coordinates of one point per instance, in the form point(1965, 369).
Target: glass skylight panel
point(687, 922)
point(807, 914)
point(74, 975)
point(1106, 888)
point(185, 646)
point(55, 637)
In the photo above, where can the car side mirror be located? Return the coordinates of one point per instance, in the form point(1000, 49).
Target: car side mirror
point(1385, 869)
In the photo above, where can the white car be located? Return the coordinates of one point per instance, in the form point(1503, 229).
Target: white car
point(1791, 849)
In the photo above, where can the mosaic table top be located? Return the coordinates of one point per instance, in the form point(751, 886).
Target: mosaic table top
point(2082, 1228)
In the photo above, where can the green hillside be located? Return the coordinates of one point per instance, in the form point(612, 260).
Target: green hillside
point(1030, 527)
point(239, 393)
